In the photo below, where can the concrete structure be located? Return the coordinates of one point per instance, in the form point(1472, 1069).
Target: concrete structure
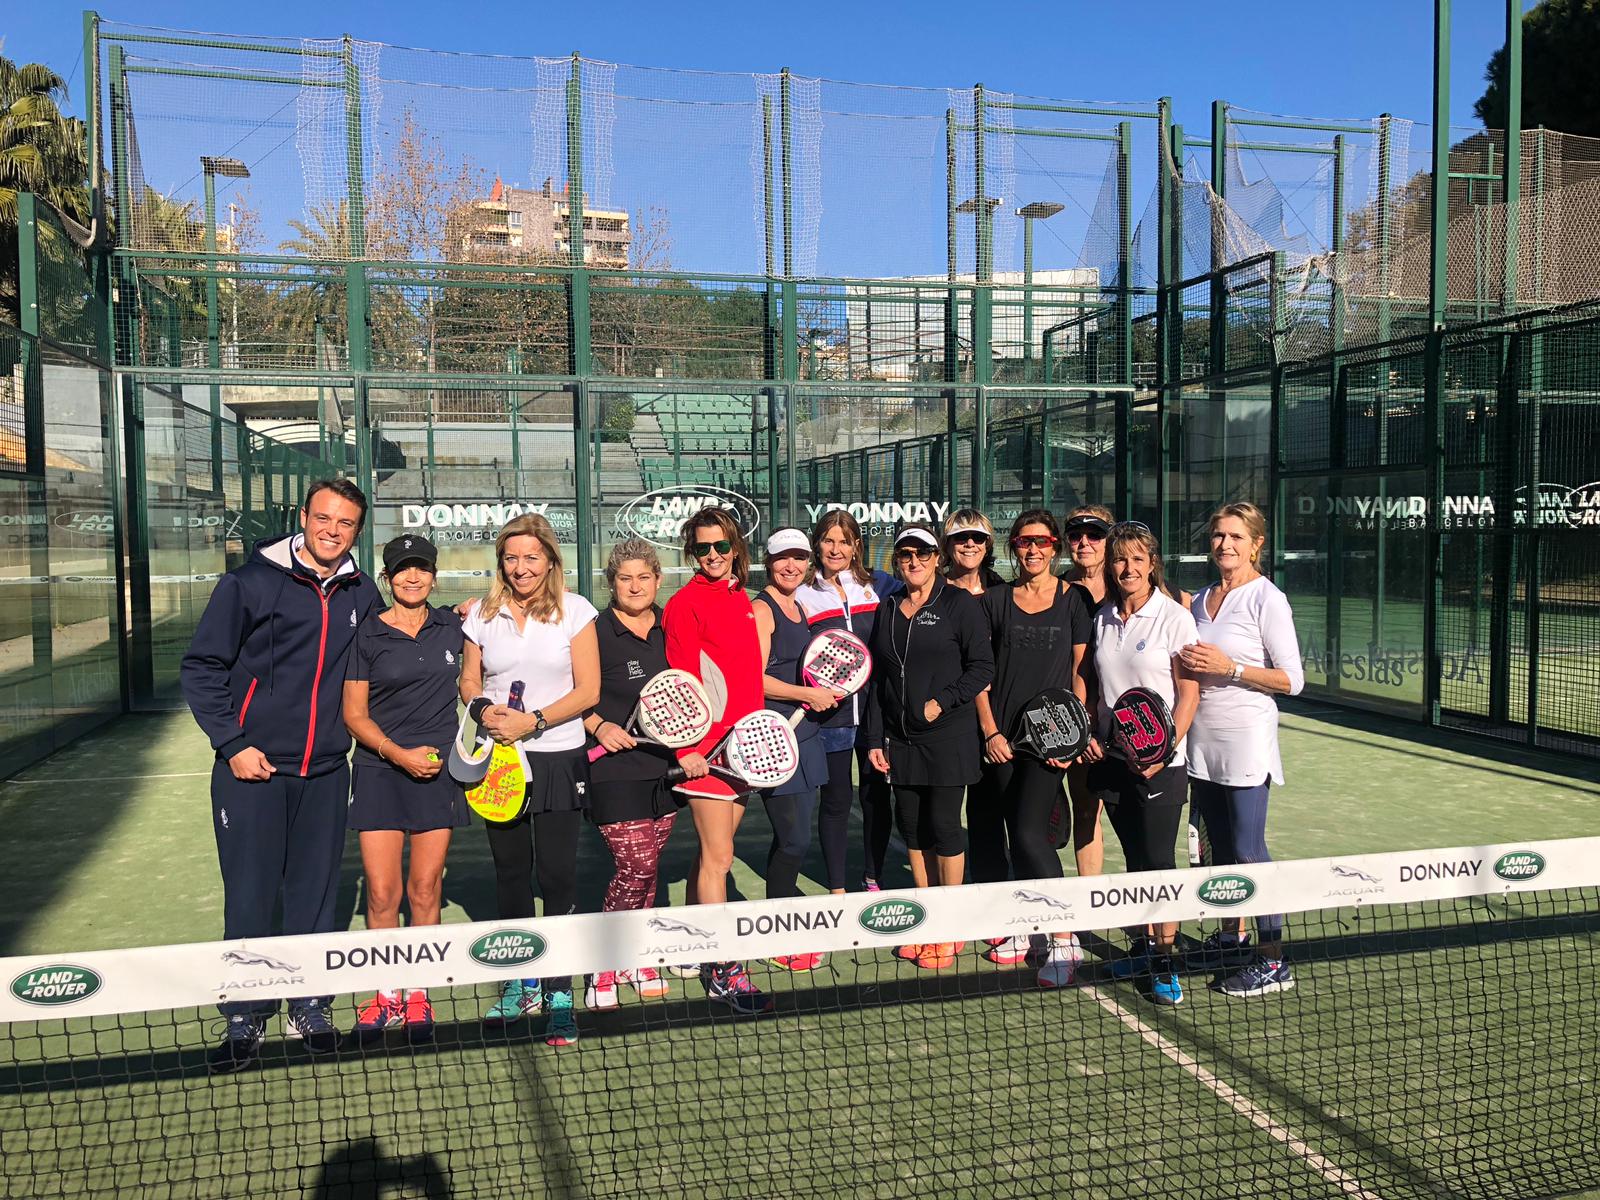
point(525, 224)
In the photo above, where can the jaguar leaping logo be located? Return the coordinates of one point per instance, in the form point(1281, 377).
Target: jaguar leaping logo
point(254, 958)
point(668, 925)
point(1351, 873)
point(1040, 898)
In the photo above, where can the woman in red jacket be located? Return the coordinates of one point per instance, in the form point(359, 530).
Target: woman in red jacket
point(711, 626)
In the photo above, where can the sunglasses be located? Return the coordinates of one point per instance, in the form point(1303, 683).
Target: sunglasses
point(1086, 532)
point(1035, 540)
point(920, 553)
point(968, 538)
point(722, 546)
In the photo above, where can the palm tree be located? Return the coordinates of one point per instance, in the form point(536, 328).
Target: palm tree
point(41, 151)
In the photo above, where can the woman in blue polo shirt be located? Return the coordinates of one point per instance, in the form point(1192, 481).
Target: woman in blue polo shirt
point(400, 704)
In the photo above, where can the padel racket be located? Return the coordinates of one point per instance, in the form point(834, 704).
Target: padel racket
point(837, 660)
point(500, 793)
point(1142, 729)
point(760, 751)
point(1053, 725)
point(672, 711)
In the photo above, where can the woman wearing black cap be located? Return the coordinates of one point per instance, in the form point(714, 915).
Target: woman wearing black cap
point(400, 704)
point(931, 656)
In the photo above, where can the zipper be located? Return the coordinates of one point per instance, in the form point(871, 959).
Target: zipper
point(249, 692)
point(316, 680)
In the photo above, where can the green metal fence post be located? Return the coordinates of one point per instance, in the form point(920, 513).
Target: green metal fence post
point(1217, 350)
point(1336, 244)
point(358, 332)
point(213, 329)
point(581, 364)
point(952, 312)
point(982, 304)
point(1433, 393)
point(1512, 185)
point(1125, 251)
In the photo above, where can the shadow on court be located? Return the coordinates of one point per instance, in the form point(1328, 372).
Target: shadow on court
point(360, 1171)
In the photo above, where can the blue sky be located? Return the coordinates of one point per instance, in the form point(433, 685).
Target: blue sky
point(1353, 59)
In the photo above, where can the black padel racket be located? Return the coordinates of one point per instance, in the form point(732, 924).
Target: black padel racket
point(672, 711)
point(1142, 729)
point(760, 751)
point(1053, 725)
point(837, 660)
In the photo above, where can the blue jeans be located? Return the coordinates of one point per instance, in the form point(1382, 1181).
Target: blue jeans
point(1236, 822)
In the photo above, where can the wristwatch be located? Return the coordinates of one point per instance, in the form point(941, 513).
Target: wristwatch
point(1238, 671)
point(539, 723)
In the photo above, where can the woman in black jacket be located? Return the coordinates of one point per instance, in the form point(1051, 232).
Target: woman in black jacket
point(931, 657)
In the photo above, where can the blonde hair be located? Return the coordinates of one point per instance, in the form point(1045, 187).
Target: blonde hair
point(1255, 523)
point(841, 520)
point(723, 520)
point(1093, 510)
point(969, 517)
point(549, 590)
point(630, 550)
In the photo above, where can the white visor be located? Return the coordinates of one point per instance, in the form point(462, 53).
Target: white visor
point(916, 534)
point(785, 541)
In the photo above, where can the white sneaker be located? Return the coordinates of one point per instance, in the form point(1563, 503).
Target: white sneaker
point(1061, 963)
point(602, 991)
point(685, 970)
point(646, 981)
point(1009, 952)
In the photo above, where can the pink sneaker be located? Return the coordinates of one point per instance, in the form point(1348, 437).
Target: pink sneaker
point(602, 990)
point(646, 981)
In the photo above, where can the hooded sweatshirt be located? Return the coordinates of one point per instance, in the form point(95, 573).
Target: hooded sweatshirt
point(945, 656)
point(267, 662)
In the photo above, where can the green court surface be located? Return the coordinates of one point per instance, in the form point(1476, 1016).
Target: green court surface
point(1441, 1050)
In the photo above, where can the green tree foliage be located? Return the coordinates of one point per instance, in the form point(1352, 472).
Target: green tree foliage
point(1560, 75)
point(41, 151)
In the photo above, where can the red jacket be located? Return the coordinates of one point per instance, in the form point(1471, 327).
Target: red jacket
point(716, 618)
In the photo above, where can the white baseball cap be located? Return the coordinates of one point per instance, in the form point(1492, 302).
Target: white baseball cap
point(786, 541)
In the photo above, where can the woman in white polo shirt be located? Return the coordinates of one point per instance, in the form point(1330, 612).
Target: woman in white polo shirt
point(1138, 634)
point(1247, 653)
point(530, 631)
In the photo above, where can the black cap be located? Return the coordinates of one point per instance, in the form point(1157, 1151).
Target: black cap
point(410, 548)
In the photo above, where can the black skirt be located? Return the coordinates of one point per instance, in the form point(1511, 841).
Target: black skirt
point(387, 798)
point(558, 780)
point(953, 759)
point(616, 800)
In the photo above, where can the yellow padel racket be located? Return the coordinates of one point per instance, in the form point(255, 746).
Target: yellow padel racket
point(503, 793)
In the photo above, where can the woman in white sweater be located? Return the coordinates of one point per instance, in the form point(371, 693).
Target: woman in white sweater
point(1247, 653)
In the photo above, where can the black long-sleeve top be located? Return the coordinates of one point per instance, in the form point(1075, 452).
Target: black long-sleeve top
point(941, 653)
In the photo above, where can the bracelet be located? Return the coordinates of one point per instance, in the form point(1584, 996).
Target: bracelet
point(991, 737)
point(603, 723)
point(381, 745)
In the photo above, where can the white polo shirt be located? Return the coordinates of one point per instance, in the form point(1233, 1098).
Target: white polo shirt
point(1234, 738)
point(540, 654)
point(1139, 652)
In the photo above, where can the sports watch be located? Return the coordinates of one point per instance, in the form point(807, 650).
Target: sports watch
point(539, 723)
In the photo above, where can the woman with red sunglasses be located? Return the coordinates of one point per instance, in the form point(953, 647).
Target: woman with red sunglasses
point(1039, 630)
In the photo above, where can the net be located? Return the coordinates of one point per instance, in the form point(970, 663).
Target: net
point(1441, 1041)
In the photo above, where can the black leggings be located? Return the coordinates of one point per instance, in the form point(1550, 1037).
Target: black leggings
point(833, 819)
point(930, 817)
point(546, 843)
point(1008, 815)
point(791, 839)
point(1148, 833)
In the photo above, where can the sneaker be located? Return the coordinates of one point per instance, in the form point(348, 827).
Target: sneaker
point(1007, 952)
point(518, 998)
point(1165, 989)
point(240, 1045)
point(645, 981)
point(869, 884)
point(602, 991)
point(727, 984)
point(1060, 963)
point(309, 1022)
point(383, 1011)
point(1220, 950)
point(1136, 962)
point(561, 1029)
point(936, 956)
point(910, 952)
point(686, 970)
point(797, 962)
point(419, 1017)
point(1259, 977)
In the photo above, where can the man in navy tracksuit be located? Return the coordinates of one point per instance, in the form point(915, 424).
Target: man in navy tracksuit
point(264, 677)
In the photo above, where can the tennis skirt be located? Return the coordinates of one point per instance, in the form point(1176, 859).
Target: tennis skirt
point(613, 800)
point(558, 780)
point(387, 798)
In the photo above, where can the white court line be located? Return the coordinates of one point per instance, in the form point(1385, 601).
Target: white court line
point(111, 778)
point(1241, 1104)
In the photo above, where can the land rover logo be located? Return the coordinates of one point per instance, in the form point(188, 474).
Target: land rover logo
point(1519, 865)
point(1227, 890)
point(91, 522)
point(658, 516)
point(59, 983)
point(507, 948)
point(891, 916)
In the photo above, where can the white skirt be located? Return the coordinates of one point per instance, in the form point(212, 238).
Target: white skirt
point(1240, 756)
